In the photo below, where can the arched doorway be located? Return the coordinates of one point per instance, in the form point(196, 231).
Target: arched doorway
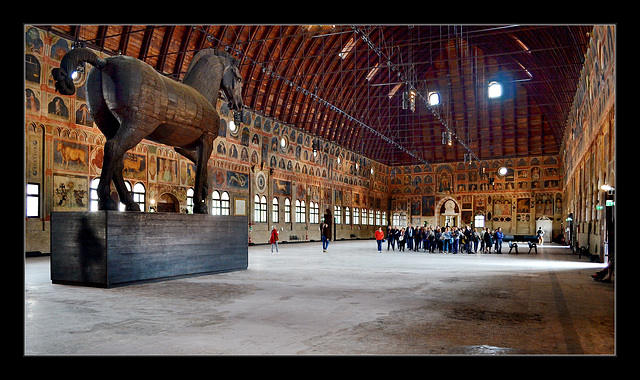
point(448, 212)
point(168, 202)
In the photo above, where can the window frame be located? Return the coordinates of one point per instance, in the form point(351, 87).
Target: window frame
point(140, 197)
point(275, 210)
point(259, 209)
point(287, 210)
point(301, 210)
point(314, 212)
point(37, 197)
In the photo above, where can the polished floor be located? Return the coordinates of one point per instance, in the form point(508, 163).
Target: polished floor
point(348, 301)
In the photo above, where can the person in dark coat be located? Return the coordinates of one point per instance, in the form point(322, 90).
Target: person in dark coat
point(326, 236)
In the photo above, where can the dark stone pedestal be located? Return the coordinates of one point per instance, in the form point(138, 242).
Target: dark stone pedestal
point(111, 248)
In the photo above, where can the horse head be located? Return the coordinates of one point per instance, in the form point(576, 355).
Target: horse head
point(231, 86)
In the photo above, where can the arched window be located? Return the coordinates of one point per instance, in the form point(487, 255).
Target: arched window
point(347, 215)
point(275, 210)
point(364, 217)
point(260, 209)
point(314, 211)
point(378, 220)
point(300, 211)
point(93, 194)
point(224, 203)
point(356, 215)
point(337, 214)
point(216, 206)
point(478, 221)
point(395, 219)
point(139, 195)
point(190, 201)
point(287, 210)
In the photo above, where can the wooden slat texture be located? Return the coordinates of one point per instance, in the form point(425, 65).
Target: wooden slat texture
point(110, 248)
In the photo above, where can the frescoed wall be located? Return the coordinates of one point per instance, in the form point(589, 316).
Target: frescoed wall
point(531, 189)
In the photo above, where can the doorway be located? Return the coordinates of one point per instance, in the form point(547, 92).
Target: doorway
point(449, 213)
point(168, 203)
point(449, 220)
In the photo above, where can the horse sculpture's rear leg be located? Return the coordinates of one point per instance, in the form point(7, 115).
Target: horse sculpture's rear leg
point(127, 137)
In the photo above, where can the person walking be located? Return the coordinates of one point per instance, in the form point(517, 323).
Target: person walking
point(379, 238)
point(273, 240)
point(326, 236)
point(540, 235)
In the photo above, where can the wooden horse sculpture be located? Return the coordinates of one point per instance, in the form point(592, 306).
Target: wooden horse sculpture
point(130, 101)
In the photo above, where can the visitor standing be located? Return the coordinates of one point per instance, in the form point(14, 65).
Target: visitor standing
point(455, 238)
point(401, 240)
point(476, 238)
point(446, 240)
point(409, 236)
point(488, 240)
point(498, 237)
point(391, 233)
point(273, 240)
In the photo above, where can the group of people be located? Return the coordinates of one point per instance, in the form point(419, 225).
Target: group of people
point(441, 239)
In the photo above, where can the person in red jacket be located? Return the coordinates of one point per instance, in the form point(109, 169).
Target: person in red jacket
point(379, 238)
point(274, 240)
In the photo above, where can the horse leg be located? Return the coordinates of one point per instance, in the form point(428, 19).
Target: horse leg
point(203, 152)
point(125, 195)
point(127, 137)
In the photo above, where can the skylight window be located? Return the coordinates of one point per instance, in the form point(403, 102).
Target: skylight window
point(344, 53)
point(495, 90)
point(373, 72)
point(395, 89)
point(434, 98)
point(521, 44)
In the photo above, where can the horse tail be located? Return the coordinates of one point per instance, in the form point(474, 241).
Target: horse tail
point(69, 64)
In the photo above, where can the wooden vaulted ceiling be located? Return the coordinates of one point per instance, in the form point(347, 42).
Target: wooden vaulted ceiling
point(345, 84)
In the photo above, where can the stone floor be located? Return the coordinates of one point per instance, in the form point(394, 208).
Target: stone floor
point(349, 301)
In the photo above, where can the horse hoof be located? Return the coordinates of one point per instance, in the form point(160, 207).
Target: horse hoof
point(108, 204)
point(133, 207)
point(200, 209)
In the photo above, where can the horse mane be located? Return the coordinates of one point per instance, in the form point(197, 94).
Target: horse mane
point(205, 72)
point(221, 53)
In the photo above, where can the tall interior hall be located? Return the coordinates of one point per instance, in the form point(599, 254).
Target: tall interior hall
point(509, 127)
